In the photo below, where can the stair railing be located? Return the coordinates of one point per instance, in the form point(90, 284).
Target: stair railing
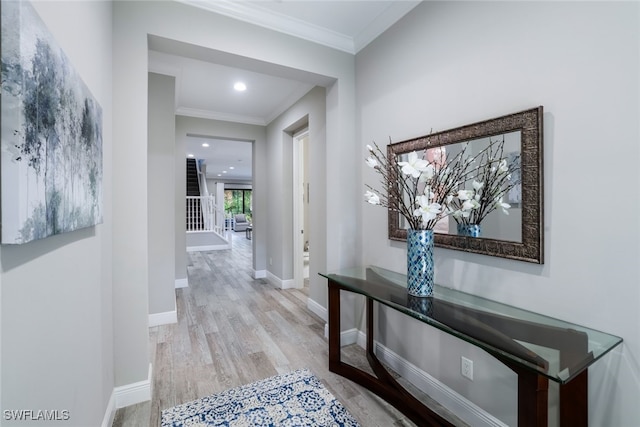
point(204, 215)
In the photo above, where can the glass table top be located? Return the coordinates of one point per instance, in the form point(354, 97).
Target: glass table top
point(556, 349)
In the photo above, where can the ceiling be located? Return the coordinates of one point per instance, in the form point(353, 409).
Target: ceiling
point(204, 81)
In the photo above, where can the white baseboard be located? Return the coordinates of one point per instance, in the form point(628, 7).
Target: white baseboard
point(131, 394)
point(457, 404)
point(289, 284)
point(208, 248)
point(279, 283)
point(259, 274)
point(348, 337)
point(317, 309)
point(110, 412)
point(182, 283)
point(165, 318)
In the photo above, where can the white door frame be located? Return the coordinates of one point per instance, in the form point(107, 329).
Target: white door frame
point(298, 208)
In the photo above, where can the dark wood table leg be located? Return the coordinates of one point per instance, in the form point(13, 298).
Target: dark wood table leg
point(533, 396)
point(533, 400)
point(334, 327)
point(574, 395)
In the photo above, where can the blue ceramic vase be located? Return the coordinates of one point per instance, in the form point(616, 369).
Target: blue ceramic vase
point(420, 263)
point(469, 230)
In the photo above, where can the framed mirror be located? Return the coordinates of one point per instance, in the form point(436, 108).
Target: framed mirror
point(518, 235)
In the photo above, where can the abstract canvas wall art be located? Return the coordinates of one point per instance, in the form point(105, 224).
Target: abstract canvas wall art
point(51, 157)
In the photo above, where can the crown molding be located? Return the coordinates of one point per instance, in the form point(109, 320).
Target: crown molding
point(277, 22)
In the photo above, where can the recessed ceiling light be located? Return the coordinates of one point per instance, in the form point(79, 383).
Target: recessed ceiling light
point(219, 174)
point(224, 171)
point(189, 155)
point(231, 167)
point(205, 144)
point(240, 87)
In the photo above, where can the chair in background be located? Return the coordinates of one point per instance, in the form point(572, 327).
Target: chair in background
point(240, 223)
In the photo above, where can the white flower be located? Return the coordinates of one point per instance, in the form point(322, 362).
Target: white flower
point(427, 192)
point(502, 205)
point(470, 204)
point(503, 166)
point(477, 185)
point(369, 148)
point(428, 173)
point(372, 198)
point(372, 162)
point(414, 166)
point(428, 211)
point(465, 194)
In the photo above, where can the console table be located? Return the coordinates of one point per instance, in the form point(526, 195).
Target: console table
point(508, 333)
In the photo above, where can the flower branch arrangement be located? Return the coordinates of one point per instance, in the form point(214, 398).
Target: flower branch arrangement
point(423, 192)
point(493, 178)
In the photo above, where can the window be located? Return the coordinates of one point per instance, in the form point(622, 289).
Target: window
point(237, 201)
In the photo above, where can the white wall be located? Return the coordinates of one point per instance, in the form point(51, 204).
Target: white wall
point(161, 162)
point(56, 313)
point(451, 63)
point(130, 244)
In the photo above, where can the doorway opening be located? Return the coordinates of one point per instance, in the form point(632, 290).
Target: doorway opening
point(301, 243)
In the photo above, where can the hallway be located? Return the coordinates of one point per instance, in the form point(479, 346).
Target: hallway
point(233, 330)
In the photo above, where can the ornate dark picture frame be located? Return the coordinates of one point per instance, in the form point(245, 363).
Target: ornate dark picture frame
point(529, 123)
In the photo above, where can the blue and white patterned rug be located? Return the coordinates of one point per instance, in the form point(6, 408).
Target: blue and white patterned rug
point(296, 398)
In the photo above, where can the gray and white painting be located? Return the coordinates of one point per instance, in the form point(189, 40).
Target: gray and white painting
point(51, 159)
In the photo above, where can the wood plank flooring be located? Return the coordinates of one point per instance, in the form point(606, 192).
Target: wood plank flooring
point(233, 330)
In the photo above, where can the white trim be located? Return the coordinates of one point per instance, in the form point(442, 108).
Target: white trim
point(317, 309)
point(297, 191)
point(292, 26)
point(208, 248)
point(131, 394)
point(278, 22)
point(165, 318)
point(445, 396)
point(110, 412)
point(289, 284)
point(259, 274)
point(182, 283)
point(348, 337)
point(362, 339)
point(280, 283)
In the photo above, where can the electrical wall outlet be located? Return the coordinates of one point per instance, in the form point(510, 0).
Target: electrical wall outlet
point(466, 368)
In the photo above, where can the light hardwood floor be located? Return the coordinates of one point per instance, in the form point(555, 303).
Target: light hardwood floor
point(233, 330)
